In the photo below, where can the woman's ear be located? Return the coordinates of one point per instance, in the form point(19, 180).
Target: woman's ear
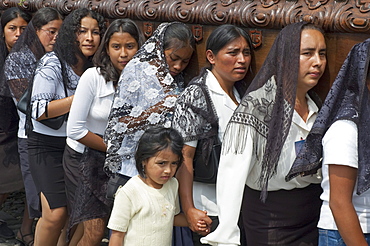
point(210, 57)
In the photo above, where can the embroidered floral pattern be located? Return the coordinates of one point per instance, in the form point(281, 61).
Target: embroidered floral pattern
point(145, 96)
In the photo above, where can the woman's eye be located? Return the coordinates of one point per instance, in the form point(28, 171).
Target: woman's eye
point(96, 33)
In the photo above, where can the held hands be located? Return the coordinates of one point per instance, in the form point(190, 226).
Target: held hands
point(198, 221)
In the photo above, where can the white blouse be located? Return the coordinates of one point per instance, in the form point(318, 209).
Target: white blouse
point(237, 170)
point(48, 86)
point(204, 195)
point(90, 108)
point(340, 148)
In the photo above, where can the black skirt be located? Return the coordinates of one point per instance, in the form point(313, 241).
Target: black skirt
point(45, 158)
point(288, 217)
point(90, 195)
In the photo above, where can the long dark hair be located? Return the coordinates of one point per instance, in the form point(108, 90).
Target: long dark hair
point(66, 46)
point(29, 37)
point(101, 58)
point(9, 15)
point(155, 139)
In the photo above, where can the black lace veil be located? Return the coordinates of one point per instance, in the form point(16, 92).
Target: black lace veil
point(348, 99)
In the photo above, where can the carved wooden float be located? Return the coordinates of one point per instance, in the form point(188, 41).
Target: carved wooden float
point(346, 22)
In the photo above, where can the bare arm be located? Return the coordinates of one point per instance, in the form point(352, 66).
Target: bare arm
point(116, 239)
point(57, 108)
point(93, 141)
point(185, 178)
point(342, 181)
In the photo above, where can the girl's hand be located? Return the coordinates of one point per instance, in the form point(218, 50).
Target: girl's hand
point(203, 227)
point(116, 238)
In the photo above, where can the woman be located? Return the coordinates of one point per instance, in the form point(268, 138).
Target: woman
point(86, 125)
point(13, 22)
point(19, 68)
point(260, 145)
point(145, 96)
point(340, 136)
point(146, 93)
point(54, 83)
point(202, 112)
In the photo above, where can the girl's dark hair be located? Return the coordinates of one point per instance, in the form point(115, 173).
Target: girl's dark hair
point(101, 58)
point(13, 13)
point(66, 46)
point(177, 36)
point(44, 15)
point(155, 139)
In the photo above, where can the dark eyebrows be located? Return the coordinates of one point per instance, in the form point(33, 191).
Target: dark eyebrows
point(313, 49)
point(85, 28)
point(237, 49)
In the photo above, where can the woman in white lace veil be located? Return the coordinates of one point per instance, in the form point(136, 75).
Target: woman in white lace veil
point(146, 93)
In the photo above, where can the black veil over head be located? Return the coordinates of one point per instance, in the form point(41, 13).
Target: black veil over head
point(267, 107)
point(348, 99)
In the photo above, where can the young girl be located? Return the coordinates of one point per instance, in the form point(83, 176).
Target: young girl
point(147, 206)
point(88, 118)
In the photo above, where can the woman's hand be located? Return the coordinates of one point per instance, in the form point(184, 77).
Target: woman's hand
point(199, 221)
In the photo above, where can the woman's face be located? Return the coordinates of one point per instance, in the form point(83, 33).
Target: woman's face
point(121, 48)
point(48, 34)
point(12, 30)
point(88, 36)
point(178, 59)
point(312, 59)
point(231, 63)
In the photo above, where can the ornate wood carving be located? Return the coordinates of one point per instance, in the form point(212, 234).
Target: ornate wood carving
point(256, 37)
point(197, 32)
point(334, 16)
